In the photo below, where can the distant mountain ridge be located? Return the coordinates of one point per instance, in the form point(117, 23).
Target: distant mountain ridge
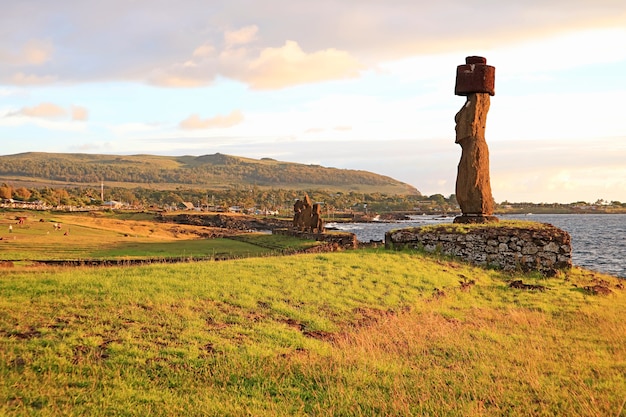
point(216, 171)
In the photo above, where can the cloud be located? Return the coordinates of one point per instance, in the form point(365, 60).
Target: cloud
point(12, 92)
point(166, 79)
point(51, 111)
point(242, 36)
point(262, 69)
point(31, 79)
point(87, 147)
point(168, 40)
point(321, 129)
point(202, 51)
point(32, 53)
point(290, 65)
point(195, 122)
point(36, 52)
point(79, 113)
point(42, 111)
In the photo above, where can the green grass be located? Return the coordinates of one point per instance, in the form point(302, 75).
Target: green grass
point(187, 248)
point(367, 332)
point(465, 227)
point(125, 236)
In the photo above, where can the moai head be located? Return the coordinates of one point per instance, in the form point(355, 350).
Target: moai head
point(307, 200)
point(475, 76)
point(298, 206)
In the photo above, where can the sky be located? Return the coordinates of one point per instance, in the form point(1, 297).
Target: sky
point(365, 84)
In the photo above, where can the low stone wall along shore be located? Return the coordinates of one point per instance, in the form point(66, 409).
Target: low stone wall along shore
point(542, 248)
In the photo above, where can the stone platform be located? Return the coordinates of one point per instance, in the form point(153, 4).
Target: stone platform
point(541, 247)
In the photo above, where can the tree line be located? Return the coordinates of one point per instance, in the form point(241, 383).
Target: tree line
point(242, 196)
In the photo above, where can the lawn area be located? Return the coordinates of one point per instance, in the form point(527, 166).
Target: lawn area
point(364, 332)
point(126, 236)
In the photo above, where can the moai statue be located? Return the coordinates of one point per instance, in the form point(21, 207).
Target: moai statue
point(317, 224)
point(307, 208)
point(302, 212)
point(297, 214)
point(475, 80)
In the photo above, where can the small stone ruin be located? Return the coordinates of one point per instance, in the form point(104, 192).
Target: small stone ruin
point(308, 224)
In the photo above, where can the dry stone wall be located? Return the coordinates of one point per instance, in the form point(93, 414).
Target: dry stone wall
point(544, 248)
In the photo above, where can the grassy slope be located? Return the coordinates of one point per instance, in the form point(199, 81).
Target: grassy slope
point(216, 175)
point(353, 333)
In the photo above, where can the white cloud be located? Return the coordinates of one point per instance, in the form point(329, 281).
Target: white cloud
point(36, 52)
point(42, 111)
point(12, 92)
point(195, 122)
point(80, 113)
point(168, 79)
point(268, 68)
point(51, 111)
point(369, 32)
point(20, 78)
point(358, 35)
point(290, 65)
point(32, 53)
point(203, 51)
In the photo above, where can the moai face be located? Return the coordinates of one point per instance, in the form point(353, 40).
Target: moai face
point(472, 118)
point(462, 128)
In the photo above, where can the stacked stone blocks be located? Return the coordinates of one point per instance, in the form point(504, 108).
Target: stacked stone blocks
point(546, 249)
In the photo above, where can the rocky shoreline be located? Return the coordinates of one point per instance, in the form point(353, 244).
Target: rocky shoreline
point(236, 223)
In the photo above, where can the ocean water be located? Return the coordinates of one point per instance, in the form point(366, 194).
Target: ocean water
point(598, 240)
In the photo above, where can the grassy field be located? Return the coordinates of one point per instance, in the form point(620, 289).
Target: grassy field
point(356, 333)
point(123, 236)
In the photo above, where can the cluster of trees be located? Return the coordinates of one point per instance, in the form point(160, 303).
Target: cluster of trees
point(51, 196)
point(245, 197)
point(278, 199)
point(599, 205)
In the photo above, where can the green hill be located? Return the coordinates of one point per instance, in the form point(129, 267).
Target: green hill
point(215, 171)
